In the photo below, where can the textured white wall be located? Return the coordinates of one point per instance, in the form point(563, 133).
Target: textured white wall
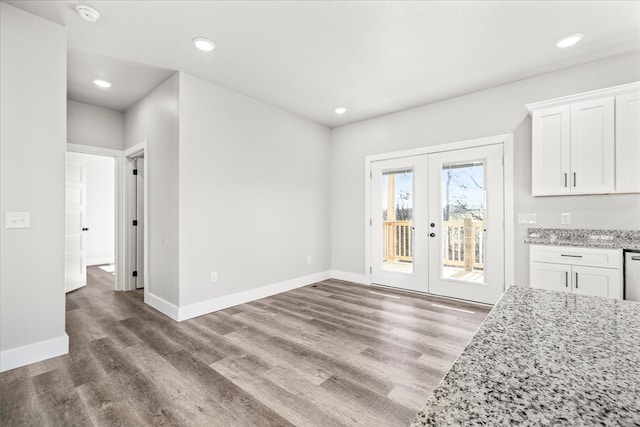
point(100, 239)
point(494, 111)
point(254, 193)
point(91, 125)
point(32, 151)
point(155, 119)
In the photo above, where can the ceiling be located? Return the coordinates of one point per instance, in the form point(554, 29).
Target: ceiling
point(309, 57)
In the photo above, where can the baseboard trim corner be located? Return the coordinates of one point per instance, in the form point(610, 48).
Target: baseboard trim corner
point(350, 277)
point(32, 353)
point(163, 306)
point(209, 306)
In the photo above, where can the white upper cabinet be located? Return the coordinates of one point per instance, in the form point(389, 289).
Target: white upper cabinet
point(587, 143)
point(628, 142)
point(551, 150)
point(592, 146)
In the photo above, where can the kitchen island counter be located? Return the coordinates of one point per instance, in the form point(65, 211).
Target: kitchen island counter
point(545, 358)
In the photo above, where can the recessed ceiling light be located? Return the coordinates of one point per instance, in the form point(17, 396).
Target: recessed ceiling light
point(203, 44)
point(340, 110)
point(102, 83)
point(569, 40)
point(89, 14)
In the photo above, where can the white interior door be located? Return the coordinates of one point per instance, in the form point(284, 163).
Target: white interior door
point(139, 218)
point(398, 223)
point(75, 225)
point(466, 224)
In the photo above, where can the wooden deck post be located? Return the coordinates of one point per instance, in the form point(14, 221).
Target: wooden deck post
point(469, 243)
point(391, 216)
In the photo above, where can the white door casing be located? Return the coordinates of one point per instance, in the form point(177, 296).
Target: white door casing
point(130, 156)
point(76, 211)
point(499, 175)
point(139, 217)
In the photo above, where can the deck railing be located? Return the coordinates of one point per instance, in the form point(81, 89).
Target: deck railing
point(460, 238)
point(397, 241)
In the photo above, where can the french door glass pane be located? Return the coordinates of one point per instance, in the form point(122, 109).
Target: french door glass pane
point(397, 220)
point(463, 216)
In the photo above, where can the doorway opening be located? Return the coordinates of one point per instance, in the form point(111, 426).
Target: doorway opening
point(92, 218)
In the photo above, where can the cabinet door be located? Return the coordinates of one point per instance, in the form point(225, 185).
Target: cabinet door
point(592, 146)
point(550, 153)
point(555, 277)
point(628, 143)
point(599, 282)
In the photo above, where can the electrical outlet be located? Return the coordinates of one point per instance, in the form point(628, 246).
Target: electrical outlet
point(309, 259)
point(214, 277)
point(565, 218)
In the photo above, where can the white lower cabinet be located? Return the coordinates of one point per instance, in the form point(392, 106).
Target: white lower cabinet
point(566, 269)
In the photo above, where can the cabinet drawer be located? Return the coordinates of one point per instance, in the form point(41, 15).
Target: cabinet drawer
point(593, 257)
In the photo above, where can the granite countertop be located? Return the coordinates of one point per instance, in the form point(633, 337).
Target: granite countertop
point(609, 239)
point(545, 358)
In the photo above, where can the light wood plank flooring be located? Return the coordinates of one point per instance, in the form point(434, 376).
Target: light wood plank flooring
point(328, 354)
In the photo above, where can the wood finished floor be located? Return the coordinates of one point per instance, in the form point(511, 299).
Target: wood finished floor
point(329, 354)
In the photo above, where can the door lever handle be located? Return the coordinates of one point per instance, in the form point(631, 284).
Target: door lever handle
point(85, 229)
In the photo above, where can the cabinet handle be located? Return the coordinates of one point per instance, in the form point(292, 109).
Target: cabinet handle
point(565, 180)
point(574, 179)
point(572, 256)
point(566, 279)
point(635, 258)
point(576, 280)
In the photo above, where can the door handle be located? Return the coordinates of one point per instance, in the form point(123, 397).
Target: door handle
point(85, 229)
point(565, 179)
point(566, 279)
point(576, 280)
point(574, 179)
point(432, 234)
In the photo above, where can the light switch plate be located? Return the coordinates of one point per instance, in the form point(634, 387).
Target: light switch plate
point(17, 220)
point(526, 218)
point(565, 218)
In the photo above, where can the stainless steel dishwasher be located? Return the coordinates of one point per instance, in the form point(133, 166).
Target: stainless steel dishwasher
point(632, 275)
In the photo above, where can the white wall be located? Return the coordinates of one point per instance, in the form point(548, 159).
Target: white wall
point(32, 151)
point(155, 119)
point(100, 239)
point(495, 111)
point(91, 125)
point(254, 193)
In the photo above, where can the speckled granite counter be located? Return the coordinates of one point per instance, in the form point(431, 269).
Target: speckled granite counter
point(545, 358)
point(611, 239)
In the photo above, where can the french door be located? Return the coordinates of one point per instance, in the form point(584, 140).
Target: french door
point(398, 204)
point(437, 223)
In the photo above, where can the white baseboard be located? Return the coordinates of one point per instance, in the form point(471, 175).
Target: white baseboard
point(32, 353)
point(350, 277)
point(215, 304)
point(100, 261)
point(163, 306)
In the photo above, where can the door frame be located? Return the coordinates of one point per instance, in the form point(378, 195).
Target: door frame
point(509, 227)
point(138, 150)
point(119, 256)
